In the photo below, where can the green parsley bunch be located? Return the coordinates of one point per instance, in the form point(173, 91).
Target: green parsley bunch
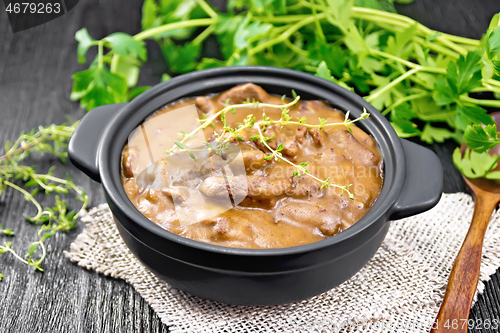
point(423, 80)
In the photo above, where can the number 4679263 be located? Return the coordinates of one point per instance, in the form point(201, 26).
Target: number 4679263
point(33, 8)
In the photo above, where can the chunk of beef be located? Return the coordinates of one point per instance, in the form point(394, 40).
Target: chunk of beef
point(222, 226)
point(332, 227)
point(318, 136)
point(253, 159)
point(271, 131)
point(127, 163)
point(313, 215)
point(290, 147)
point(358, 153)
point(259, 187)
point(240, 94)
point(181, 176)
point(242, 186)
point(300, 133)
point(312, 106)
point(214, 164)
point(204, 104)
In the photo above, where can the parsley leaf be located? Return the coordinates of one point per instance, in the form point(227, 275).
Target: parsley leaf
point(463, 76)
point(247, 30)
point(401, 116)
point(125, 45)
point(340, 13)
point(476, 165)
point(181, 58)
point(375, 4)
point(98, 86)
point(492, 45)
point(332, 55)
point(443, 95)
point(431, 134)
point(165, 12)
point(481, 139)
point(359, 78)
point(259, 6)
point(225, 29)
point(471, 114)
point(397, 45)
point(149, 14)
point(129, 68)
point(84, 43)
point(206, 63)
point(324, 73)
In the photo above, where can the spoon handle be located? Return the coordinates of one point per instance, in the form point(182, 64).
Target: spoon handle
point(454, 312)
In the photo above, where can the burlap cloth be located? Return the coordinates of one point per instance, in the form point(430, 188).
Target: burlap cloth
point(399, 290)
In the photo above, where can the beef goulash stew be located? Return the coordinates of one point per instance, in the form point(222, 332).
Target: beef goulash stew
point(282, 205)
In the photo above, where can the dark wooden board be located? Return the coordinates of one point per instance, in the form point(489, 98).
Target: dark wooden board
point(35, 70)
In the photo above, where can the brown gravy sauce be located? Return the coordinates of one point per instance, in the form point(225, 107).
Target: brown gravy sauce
point(296, 211)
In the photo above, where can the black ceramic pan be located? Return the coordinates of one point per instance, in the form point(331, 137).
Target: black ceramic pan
point(412, 184)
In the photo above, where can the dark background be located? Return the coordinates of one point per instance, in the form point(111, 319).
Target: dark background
point(35, 84)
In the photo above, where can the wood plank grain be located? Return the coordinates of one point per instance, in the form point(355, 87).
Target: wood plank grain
point(35, 70)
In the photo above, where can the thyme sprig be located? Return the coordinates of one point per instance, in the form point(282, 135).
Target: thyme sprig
point(51, 140)
point(227, 129)
point(7, 231)
point(229, 133)
point(301, 168)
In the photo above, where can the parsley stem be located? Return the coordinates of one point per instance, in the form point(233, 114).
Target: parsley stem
point(412, 78)
point(370, 98)
point(409, 63)
point(285, 35)
point(493, 165)
point(316, 22)
point(114, 63)
point(206, 7)
point(403, 100)
point(296, 49)
point(282, 19)
point(373, 13)
point(296, 6)
point(377, 16)
point(492, 82)
point(486, 88)
point(484, 102)
point(437, 48)
point(100, 54)
point(202, 36)
point(462, 40)
point(172, 26)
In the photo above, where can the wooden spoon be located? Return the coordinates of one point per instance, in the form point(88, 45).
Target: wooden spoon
point(454, 312)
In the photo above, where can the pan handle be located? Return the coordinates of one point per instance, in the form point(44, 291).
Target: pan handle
point(423, 182)
point(83, 148)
